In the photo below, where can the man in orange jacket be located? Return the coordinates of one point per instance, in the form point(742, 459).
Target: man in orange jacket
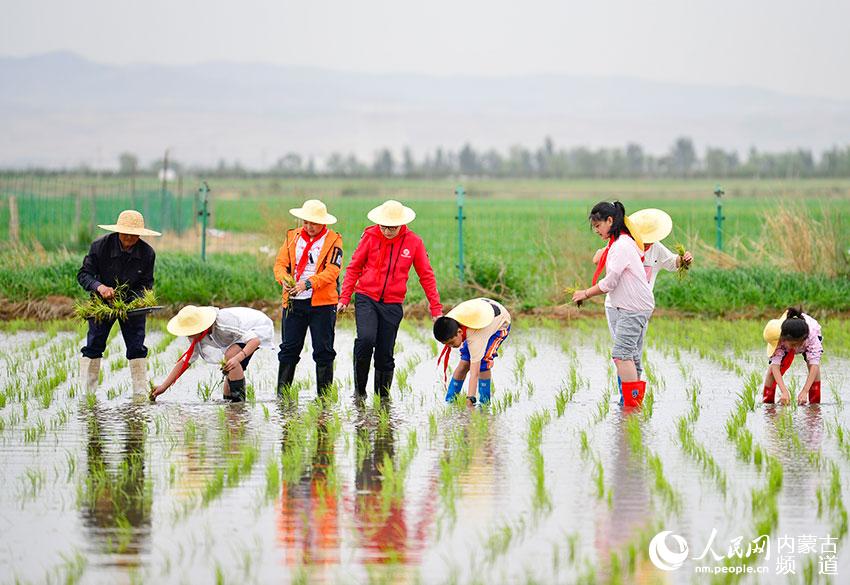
point(311, 256)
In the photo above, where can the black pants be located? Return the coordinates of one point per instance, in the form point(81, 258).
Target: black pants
point(133, 331)
point(322, 324)
point(377, 328)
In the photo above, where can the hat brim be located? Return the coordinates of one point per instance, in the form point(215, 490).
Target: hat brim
point(474, 313)
point(633, 231)
point(771, 348)
point(301, 213)
point(662, 224)
point(208, 315)
point(376, 216)
point(121, 229)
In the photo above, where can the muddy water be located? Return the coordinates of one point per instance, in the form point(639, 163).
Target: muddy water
point(105, 490)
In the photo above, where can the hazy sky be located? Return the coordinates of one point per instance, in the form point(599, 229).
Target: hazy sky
point(792, 46)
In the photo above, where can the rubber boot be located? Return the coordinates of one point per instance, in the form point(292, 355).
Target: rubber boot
point(455, 386)
point(89, 372)
point(620, 387)
point(361, 376)
point(237, 390)
point(285, 376)
point(769, 394)
point(814, 393)
point(324, 377)
point(139, 376)
point(483, 391)
point(633, 393)
point(383, 382)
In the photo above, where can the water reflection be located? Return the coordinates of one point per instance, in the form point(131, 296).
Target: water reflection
point(308, 527)
point(117, 494)
point(621, 521)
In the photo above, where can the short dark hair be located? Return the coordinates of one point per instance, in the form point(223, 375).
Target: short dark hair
point(445, 328)
point(605, 209)
point(794, 327)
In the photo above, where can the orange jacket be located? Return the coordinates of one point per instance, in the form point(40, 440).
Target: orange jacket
point(326, 280)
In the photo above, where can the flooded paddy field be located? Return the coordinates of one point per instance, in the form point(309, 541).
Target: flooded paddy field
point(550, 483)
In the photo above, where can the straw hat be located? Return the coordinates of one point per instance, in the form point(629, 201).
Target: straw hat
point(314, 211)
point(772, 332)
point(635, 233)
point(653, 225)
point(191, 320)
point(475, 313)
point(391, 213)
point(130, 222)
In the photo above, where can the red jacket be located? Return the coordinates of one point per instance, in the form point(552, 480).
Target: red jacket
point(379, 268)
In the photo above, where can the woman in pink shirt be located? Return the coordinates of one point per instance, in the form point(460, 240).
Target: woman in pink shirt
point(793, 333)
point(628, 291)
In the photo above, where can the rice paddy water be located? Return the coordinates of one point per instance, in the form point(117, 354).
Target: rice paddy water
point(551, 483)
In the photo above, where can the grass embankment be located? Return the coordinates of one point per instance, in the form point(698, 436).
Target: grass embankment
point(241, 279)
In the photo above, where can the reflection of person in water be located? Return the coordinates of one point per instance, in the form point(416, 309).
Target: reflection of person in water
point(629, 512)
point(380, 521)
point(117, 495)
point(308, 524)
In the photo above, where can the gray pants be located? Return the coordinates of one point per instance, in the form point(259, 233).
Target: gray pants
point(628, 330)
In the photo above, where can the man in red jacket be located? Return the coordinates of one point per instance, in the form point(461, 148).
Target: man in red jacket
point(378, 273)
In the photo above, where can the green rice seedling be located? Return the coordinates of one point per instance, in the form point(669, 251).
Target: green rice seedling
point(432, 426)
point(683, 267)
point(519, 367)
point(118, 364)
point(117, 308)
point(599, 478)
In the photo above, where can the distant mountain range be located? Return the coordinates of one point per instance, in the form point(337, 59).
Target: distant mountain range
point(60, 109)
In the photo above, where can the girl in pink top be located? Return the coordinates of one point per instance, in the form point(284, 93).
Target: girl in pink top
point(798, 334)
point(628, 291)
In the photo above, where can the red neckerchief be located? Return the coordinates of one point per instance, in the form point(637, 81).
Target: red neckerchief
point(188, 355)
point(302, 264)
point(447, 350)
point(385, 243)
point(601, 265)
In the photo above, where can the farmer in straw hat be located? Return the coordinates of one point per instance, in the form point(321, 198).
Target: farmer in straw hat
point(652, 226)
point(116, 259)
point(793, 333)
point(478, 327)
point(311, 257)
point(220, 335)
point(378, 273)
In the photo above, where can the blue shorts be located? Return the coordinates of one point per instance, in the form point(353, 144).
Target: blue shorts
point(490, 352)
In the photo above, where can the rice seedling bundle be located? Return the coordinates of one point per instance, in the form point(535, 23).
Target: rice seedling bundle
point(117, 308)
point(683, 267)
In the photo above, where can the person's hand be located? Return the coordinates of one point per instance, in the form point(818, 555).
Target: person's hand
point(580, 296)
point(802, 399)
point(105, 292)
point(598, 255)
point(687, 257)
point(233, 362)
point(157, 391)
point(299, 288)
point(785, 398)
point(341, 307)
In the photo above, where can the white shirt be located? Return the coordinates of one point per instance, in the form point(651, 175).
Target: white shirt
point(625, 278)
point(234, 325)
point(656, 258)
point(312, 258)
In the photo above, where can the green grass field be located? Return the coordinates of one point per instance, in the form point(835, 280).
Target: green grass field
point(524, 241)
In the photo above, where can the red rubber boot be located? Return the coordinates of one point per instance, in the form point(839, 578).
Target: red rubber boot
point(814, 393)
point(633, 393)
point(769, 392)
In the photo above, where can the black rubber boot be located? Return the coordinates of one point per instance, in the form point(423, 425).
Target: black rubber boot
point(383, 382)
point(361, 376)
point(237, 390)
point(324, 377)
point(285, 376)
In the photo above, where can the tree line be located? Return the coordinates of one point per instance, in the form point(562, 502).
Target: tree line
point(546, 161)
